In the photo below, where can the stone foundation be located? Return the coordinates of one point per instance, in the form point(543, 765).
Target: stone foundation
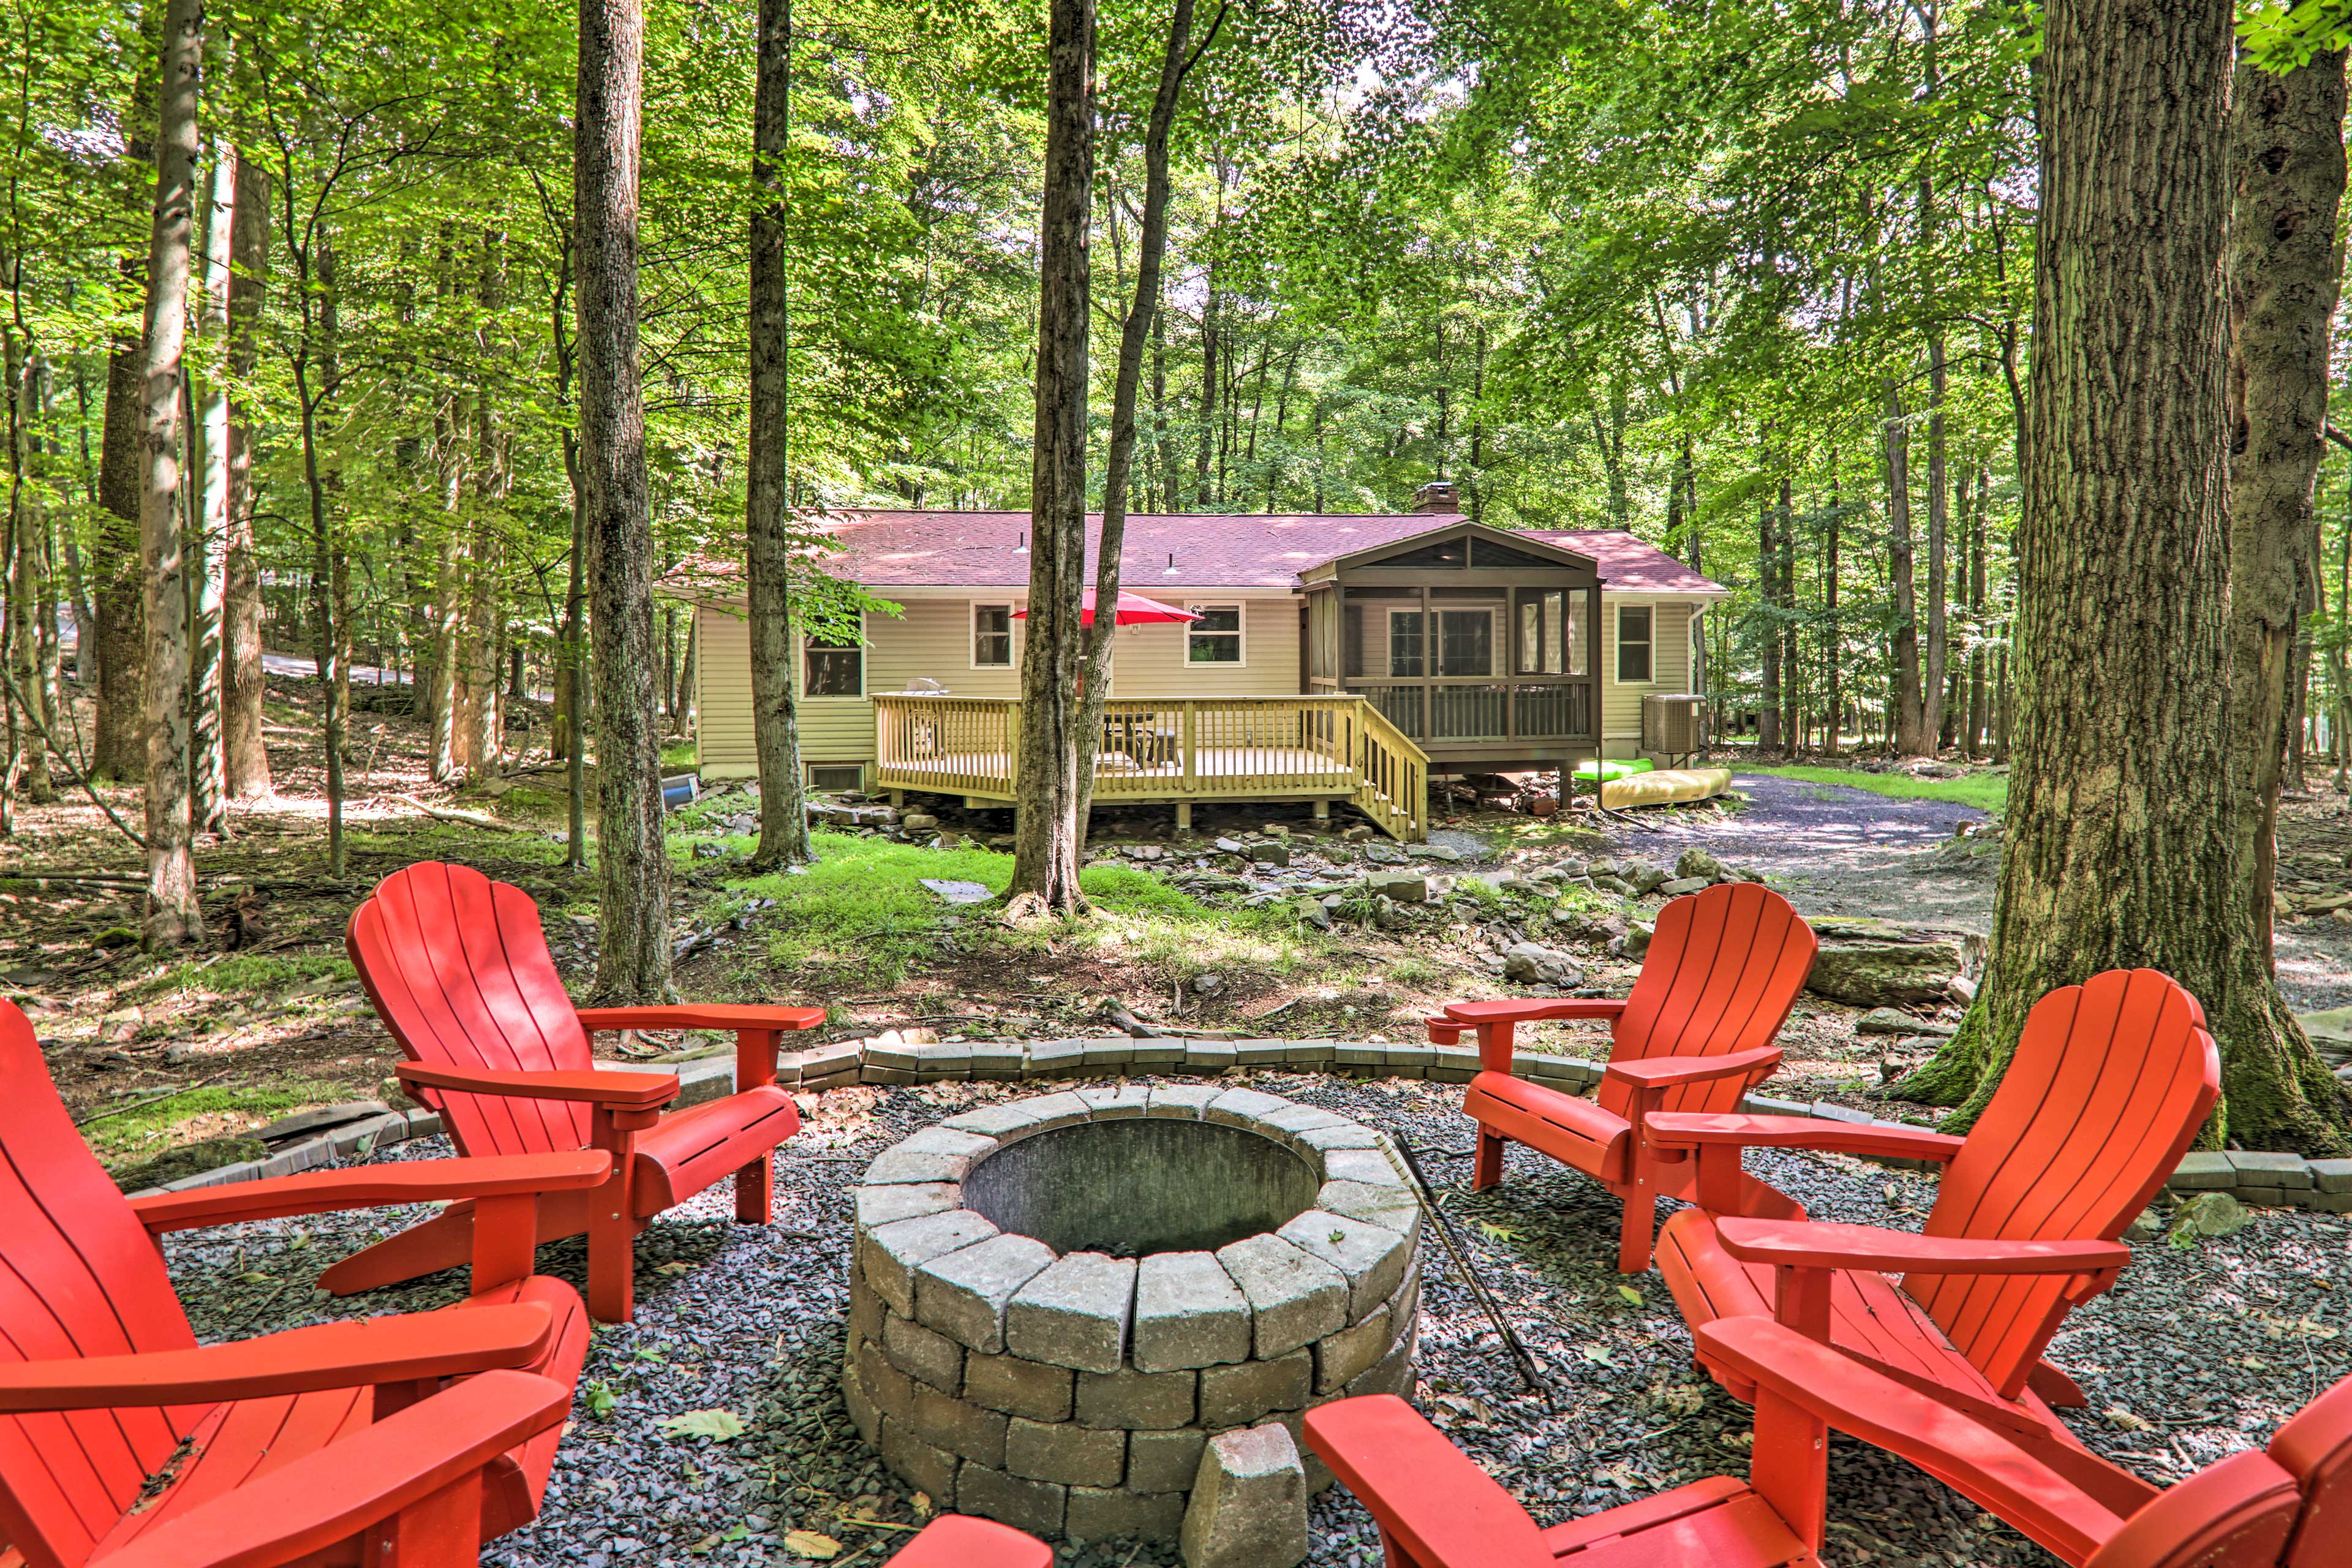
point(1046, 1380)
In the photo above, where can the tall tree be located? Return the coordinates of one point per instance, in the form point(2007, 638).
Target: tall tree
point(244, 678)
point(2285, 273)
point(1053, 747)
point(775, 705)
point(173, 914)
point(632, 951)
point(208, 765)
point(2117, 851)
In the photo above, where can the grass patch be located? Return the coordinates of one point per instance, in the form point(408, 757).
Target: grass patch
point(1985, 792)
point(143, 1134)
point(678, 757)
point(862, 909)
point(245, 973)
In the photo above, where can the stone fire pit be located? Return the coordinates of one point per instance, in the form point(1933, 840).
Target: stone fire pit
point(1055, 1302)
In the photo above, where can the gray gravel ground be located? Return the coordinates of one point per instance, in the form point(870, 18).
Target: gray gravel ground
point(2200, 1352)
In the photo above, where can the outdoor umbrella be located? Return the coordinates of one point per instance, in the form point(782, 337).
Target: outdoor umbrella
point(1134, 610)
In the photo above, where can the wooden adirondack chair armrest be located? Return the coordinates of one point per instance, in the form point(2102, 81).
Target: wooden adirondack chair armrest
point(373, 1186)
point(1533, 1009)
point(1700, 1130)
point(332, 1493)
point(404, 1349)
point(1424, 1491)
point(1820, 1243)
point(959, 1541)
point(603, 1087)
point(1670, 1072)
point(1956, 1449)
point(695, 1015)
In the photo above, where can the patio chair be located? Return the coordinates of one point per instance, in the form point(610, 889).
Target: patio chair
point(459, 971)
point(2110, 1082)
point(2285, 1507)
point(405, 1440)
point(959, 1541)
point(1717, 981)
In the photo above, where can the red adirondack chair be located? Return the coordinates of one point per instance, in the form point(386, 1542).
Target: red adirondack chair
point(959, 1541)
point(2111, 1081)
point(458, 970)
point(125, 1444)
point(1718, 979)
point(2286, 1508)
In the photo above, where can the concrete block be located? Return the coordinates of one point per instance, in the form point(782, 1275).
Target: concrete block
point(1106, 1101)
point(1372, 1166)
point(1392, 1205)
point(1107, 1514)
point(1136, 1401)
point(1319, 1478)
point(2203, 1168)
point(966, 1430)
point(1296, 1298)
point(1260, 1052)
point(1164, 1461)
point(1392, 1374)
point(871, 1074)
point(1210, 1056)
point(1034, 1506)
point(1018, 1387)
point(1005, 1122)
point(1059, 1451)
point(906, 1200)
point(1157, 1055)
point(963, 1294)
point(1237, 1396)
point(867, 1313)
point(1408, 1059)
point(1348, 1135)
point(2332, 1203)
point(2261, 1170)
point(1310, 1053)
point(1075, 1313)
point(1110, 1051)
point(1765, 1105)
point(1051, 1110)
point(923, 1353)
point(1188, 1313)
point(934, 1154)
point(933, 1469)
point(1053, 1059)
point(1825, 1111)
point(1353, 1352)
point(946, 1059)
point(1248, 1507)
point(1243, 1107)
point(998, 1059)
point(891, 1392)
point(1295, 1120)
point(1373, 1256)
point(2332, 1175)
point(1452, 1063)
point(862, 1414)
point(889, 1254)
point(1181, 1101)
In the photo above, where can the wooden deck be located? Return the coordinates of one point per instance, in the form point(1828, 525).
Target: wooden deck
point(1172, 750)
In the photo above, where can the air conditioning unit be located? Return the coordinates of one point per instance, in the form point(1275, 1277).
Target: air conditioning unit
point(1673, 725)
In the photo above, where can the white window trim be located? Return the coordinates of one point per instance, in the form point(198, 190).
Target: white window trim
point(865, 663)
point(971, 633)
point(1242, 619)
point(1616, 650)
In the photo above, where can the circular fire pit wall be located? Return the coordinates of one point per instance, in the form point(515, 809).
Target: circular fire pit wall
point(1055, 1302)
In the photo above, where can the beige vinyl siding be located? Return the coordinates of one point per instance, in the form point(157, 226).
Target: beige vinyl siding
point(931, 639)
point(1621, 705)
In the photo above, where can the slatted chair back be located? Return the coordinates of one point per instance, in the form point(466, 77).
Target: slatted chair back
point(2109, 1084)
point(1721, 973)
point(2315, 1446)
point(78, 1276)
point(459, 971)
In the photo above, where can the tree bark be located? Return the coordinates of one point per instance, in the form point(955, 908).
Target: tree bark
point(1767, 588)
point(1053, 747)
point(173, 914)
point(2117, 852)
point(2283, 274)
point(1933, 688)
point(1979, 712)
point(208, 772)
point(118, 748)
point(1910, 737)
point(245, 757)
point(776, 702)
point(633, 951)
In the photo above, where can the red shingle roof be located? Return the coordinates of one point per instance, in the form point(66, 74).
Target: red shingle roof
point(1193, 550)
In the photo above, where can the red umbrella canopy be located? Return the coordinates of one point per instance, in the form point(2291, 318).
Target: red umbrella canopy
point(1134, 610)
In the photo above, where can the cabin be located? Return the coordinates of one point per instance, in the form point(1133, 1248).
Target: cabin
point(1331, 658)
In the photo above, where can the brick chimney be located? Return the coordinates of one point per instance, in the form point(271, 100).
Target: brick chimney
point(1438, 495)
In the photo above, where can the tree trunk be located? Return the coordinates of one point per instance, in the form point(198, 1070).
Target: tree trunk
point(482, 729)
point(1830, 635)
point(1978, 713)
point(1135, 331)
point(775, 703)
point(1202, 497)
point(1768, 579)
point(1910, 735)
point(174, 915)
point(117, 735)
point(207, 772)
point(2117, 852)
point(245, 758)
point(632, 951)
point(1933, 692)
point(1055, 750)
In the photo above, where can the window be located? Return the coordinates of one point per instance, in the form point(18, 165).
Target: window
point(1404, 644)
point(1465, 642)
point(835, 670)
point(991, 636)
point(1634, 643)
point(1542, 628)
point(833, 777)
point(1216, 637)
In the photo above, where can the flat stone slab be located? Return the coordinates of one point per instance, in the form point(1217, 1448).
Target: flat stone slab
point(1295, 1298)
point(1188, 1313)
point(889, 1254)
point(1373, 1256)
point(959, 892)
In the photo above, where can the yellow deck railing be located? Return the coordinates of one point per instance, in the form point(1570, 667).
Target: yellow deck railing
point(1172, 749)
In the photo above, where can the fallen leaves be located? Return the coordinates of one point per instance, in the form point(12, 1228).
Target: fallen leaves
point(719, 1426)
point(808, 1543)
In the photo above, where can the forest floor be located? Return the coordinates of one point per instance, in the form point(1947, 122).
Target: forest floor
point(179, 1064)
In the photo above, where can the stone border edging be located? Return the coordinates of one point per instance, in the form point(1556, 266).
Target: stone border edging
point(2270, 1180)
